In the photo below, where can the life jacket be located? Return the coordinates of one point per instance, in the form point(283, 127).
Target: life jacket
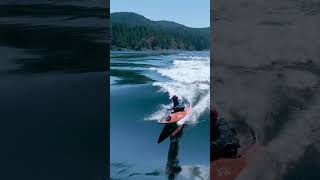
point(178, 104)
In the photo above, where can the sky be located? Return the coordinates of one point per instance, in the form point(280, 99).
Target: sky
point(192, 13)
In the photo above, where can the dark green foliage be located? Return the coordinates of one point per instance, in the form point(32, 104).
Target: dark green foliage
point(133, 31)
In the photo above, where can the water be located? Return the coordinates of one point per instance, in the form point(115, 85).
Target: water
point(53, 91)
point(141, 84)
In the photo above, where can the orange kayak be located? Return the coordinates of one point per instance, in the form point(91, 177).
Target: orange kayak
point(169, 130)
point(230, 168)
point(175, 117)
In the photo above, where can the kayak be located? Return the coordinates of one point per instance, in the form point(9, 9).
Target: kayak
point(175, 117)
point(230, 168)
point(171, 128)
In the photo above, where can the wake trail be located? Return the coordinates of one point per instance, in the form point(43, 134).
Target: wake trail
point(188, 77)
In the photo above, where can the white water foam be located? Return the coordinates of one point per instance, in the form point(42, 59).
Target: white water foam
point(189, 78)
point(199, 172)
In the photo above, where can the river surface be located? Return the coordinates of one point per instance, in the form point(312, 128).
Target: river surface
point(141, 84)
point(53, 89)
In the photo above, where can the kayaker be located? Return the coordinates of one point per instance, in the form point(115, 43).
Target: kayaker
point(223, 139)
point(178, 105)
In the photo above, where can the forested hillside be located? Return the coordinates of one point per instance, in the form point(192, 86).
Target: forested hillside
point(133, 31)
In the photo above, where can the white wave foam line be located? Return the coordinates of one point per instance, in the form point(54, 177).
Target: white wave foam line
point(196, 111)
point(195, 172)
point(188, 78)
point(160, 114)
point(188, 71)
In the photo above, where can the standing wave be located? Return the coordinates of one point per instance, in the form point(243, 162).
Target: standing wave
point(188, 77)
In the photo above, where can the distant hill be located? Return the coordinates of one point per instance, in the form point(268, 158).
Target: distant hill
point(134, 31)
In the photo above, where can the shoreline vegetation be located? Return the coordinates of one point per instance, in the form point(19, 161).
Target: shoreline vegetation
point(134, 32)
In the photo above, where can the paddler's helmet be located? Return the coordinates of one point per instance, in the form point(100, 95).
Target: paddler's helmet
point(174, 97)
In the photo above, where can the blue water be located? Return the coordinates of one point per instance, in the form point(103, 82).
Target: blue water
point(136, 98)
point(52, 94)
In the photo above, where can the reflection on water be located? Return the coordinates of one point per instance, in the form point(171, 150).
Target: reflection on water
point(173, 167)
